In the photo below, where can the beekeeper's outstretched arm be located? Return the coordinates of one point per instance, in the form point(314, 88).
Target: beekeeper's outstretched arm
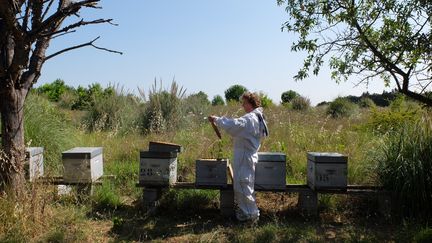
point(233, 126)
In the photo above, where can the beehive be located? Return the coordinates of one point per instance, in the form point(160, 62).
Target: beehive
point(270, 171)
point(158, 168)
point(327, 170)
point(82, 164)
point(211, 172)
point(34, 163)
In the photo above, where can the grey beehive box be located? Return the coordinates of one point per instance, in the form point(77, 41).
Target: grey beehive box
point(327, 170)
point(34, 163)
point(82, 164)
point(158, 168)
point(270, 171)
point(211, 172)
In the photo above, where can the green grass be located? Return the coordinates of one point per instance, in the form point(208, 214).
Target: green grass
point(192, 215)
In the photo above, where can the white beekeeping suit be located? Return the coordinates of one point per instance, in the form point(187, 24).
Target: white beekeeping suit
point(247, 132)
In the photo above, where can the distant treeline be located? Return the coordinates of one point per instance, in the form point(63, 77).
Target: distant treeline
point(382, 100)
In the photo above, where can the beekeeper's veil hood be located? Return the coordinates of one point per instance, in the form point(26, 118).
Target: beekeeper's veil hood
point(264, 132)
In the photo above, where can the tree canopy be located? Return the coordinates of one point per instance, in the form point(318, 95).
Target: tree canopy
point(234, 92)
point(388, 40)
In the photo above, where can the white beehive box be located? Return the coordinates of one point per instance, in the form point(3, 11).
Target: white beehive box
point(34, 163)
point(270, 171)
point(327, 170)
point(211, 172)
point(158, 168)
point(82, 164)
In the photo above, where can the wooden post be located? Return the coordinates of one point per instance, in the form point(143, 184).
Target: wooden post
point(226, 198)
point(308, 202)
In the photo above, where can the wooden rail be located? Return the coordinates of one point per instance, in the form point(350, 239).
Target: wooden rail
point(59, 180)
point(290, 188)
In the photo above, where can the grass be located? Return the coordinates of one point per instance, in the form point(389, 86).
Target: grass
point(115, 212)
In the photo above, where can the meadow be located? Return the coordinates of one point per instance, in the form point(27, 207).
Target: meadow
point(124, 124)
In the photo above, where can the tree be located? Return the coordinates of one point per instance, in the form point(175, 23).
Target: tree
point(388, 39)
point(234, 92)
point(289, 95)
point(54, 90)
point(26, 30)
point(218, 100)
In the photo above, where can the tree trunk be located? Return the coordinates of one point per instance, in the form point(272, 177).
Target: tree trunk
point(13, 146)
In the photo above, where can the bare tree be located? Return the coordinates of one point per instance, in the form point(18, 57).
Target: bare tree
point(26, 30)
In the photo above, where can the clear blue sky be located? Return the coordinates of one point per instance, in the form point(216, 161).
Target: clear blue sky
point(205, 45)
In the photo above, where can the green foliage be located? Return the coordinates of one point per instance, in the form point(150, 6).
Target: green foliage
point(366, 103)
point(423, 236)
point(54, 90)
point(371, 38)
point(405, 168)
point(46, 127)
point(234, 92)
point(218, 100)
point(265, 100)
point(188, 200)
point(288, 96)
point(113, 112)
point(106, 196)
point(300, 103)
point(86, 97)
point(163, 111)
point(197, 103)
point(341, 107)
point(391, 120)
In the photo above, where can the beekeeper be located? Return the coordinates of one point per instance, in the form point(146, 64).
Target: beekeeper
point(247, 132)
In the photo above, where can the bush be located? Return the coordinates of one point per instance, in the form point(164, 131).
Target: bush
point(114, 112)
point(300, 103)
point(218, 100)
point(54, 90)
point(392, 120)
point(341, 107)
point(366, 103)
point(197, 104)
point(405, 168)
point(288, 96)
point(234, 92)
point(86, 97)
point(163, 111)
point(265, 100)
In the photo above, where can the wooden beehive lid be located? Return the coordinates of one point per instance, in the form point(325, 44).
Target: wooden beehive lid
point(82, 153)
point(157, 146)
point(157, 155)
point(33, 151)
point(326, 157)
point(271, 157)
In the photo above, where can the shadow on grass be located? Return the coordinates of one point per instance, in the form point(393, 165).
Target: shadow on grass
point(190, 214)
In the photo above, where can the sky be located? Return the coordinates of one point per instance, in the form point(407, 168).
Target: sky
point(203, 45)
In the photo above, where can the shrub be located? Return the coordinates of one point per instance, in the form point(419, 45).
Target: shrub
point(86, 96)
point(288, 96)
point(234, 92)
point(265, 100)
point(114, 112)
point(197, 103)
point(391, 120)
point(218, 100)
point(341, 107)
point(54, 90)
point(366, 103)
point(163, 111)
point(405, 167)
point(300, 103)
